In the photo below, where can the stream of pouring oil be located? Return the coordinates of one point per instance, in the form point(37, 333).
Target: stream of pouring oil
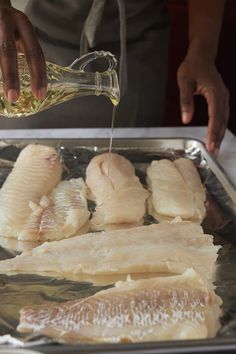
point(111, 138)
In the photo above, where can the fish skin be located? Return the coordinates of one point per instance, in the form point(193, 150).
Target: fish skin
point(176, 190)
point(60, 215)
point(144, 249)
point(36, 172)
point(119, 195)
point(166, 308)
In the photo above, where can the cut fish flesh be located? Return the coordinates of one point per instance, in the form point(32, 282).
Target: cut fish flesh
point(15, 245)
point(165, 308)
point(36, 172)
point(35, 207)
point(60, 215)
point(158, 248)
point(118, 193)
point(176, 190)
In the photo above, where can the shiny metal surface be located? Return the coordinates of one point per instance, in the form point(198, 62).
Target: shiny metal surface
point(20, 290)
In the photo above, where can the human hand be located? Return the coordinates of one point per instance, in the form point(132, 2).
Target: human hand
point(17, 34)
point(197, 75)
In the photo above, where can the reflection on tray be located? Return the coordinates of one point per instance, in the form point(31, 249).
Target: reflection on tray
point(219, 221)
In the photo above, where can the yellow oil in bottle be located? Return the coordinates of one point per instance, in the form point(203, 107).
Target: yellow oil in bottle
point(64, 83)
point(28, 104)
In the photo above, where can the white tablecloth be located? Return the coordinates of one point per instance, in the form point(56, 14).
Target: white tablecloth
point(227, 156)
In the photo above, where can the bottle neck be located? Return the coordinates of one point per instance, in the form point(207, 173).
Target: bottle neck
point(86, 83)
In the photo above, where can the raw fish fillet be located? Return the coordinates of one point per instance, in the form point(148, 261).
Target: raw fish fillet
point(118, 193)
point(165, 308)
point(60, 215)
point(176, 190)
point(15, 245)
point(189, 172)
point(36, 172)
point(158, 248)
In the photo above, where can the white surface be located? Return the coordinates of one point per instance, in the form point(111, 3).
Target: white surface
point(227, 156)
point(18, 351)
point(19, 4)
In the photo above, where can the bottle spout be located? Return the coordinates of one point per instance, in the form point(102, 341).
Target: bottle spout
point(106, 82)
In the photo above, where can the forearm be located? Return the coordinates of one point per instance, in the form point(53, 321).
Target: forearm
point(205, 19)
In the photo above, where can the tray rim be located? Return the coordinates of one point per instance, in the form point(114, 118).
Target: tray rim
point(117, 142)
point(212, 345)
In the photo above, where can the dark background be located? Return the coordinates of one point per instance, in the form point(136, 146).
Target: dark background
point(226, 63)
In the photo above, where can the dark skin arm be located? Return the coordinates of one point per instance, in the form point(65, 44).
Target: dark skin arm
point(198, 74)
point(17, 34)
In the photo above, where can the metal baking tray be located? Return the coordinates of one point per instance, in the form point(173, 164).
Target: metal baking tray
point(20, 290)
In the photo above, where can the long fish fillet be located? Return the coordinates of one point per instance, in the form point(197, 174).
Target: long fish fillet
point(176, 190)
point(60, 215)
point(158, 248)
point(174, 307)
point(36, 172)
point(118, 193)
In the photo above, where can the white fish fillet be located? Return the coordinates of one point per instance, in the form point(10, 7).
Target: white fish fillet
point(36, 172)
point(118, 193)
point(176, 190)
point(15, 245)
point(158, 248)
point(60, 215)
point(175, 307)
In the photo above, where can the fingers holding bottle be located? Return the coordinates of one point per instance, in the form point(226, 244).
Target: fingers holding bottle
point(33, 54)
point(16, 31)
point(8, 55)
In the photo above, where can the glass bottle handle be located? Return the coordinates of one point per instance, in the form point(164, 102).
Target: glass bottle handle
point(88, 58)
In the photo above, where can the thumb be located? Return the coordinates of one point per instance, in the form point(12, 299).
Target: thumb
point(186, 90)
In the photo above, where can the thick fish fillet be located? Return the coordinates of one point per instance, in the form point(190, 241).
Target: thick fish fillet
point(176, 190)
point(175, 307)
point(118, 193)
point(191, 177)
point(36, 172)
point(158, 248)
point(60, 215)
